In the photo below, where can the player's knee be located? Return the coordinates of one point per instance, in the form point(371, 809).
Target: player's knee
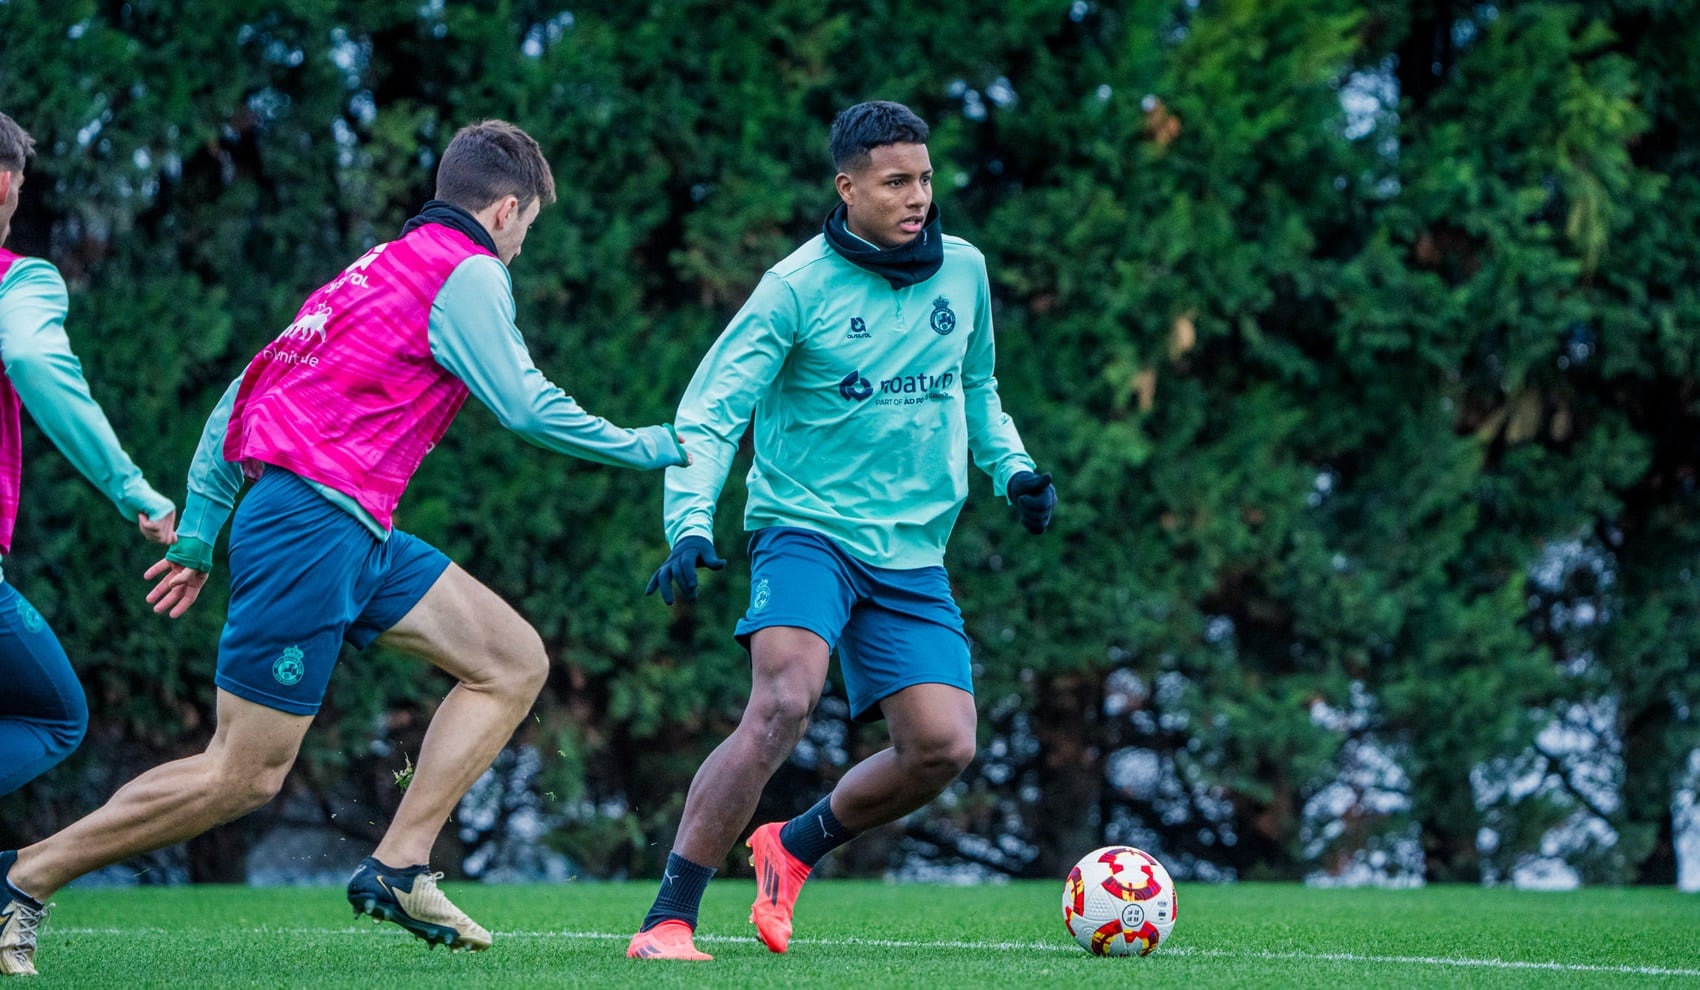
point(66, 729)
point(781, 716)
point(937, 759)
point(65, 735)
point(524, 665)
point(533, 666)
point(237, 792)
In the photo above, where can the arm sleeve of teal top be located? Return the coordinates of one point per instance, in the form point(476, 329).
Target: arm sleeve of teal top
point(992, 437)
point(213, 485)
point(715, 410)
point(473, 335)
point(49, 380)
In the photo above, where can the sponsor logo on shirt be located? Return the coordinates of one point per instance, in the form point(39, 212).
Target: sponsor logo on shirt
point(307, 331)
point(901, 390)
point(356, 271)
point(309, 325)
point(854, 387)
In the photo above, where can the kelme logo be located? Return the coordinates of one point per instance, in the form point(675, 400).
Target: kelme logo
point(760, 595)
point(943, 320)
point(854, 387)
point(288, 669)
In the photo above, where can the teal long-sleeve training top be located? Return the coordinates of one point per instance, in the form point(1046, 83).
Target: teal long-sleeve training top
point(867, 403)
point(50, 384)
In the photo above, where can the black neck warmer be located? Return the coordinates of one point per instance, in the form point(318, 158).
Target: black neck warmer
point(453, 217)
point(906, 264)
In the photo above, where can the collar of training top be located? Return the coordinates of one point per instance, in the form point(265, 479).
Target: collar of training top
point(906, 264)
point(455, 218)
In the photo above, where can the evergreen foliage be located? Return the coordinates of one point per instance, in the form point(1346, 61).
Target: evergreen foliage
point(1359, 334)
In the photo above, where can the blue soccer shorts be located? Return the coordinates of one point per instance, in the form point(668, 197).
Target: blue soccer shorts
point(305, 576)
point(43, 713)
point(893, 628)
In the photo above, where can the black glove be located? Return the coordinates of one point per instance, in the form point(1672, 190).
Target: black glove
point(688, 554)
point(1035, 499)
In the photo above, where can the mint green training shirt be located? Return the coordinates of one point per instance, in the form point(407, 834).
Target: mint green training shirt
point(867, 403)
point(49, 381)
point(472, 334)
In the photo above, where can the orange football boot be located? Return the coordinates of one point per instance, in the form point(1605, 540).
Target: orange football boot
point(779, 879)
point(668, 940)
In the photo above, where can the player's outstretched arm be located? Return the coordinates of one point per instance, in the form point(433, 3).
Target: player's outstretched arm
point(680, 569)
point(473, 336)
point(177, 588)
point(49, 381)
point(213, 486)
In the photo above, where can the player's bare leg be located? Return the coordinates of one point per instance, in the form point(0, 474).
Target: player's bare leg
point(242, 768)
point(932, 741)
point(468, 631)
point(788, 671)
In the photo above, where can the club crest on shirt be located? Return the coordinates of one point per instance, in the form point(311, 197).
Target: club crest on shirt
point(943, 320)
point(858, 329)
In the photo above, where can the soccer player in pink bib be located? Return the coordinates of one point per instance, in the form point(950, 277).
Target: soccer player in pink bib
point(329, 422)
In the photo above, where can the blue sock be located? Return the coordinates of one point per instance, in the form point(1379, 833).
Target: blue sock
point(814, 833)
point(682, 884)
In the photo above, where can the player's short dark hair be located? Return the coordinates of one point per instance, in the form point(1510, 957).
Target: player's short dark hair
point(16, 145)
point(491, 159)
point(866, 126)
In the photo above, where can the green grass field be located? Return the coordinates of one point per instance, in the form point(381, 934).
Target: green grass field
point(868, 934)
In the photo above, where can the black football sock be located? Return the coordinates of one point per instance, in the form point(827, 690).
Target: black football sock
point(682, 886)
point(814, 833)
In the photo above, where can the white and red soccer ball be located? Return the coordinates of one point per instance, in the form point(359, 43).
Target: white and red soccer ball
point(1119, 901)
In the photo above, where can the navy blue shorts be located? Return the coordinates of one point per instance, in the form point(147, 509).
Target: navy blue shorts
point(893, 628)
point(305, 576)
point(43, 713)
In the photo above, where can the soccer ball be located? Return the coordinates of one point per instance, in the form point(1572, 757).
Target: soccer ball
point(1118, 901)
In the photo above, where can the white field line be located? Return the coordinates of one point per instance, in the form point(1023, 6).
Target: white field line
point(1058, 946)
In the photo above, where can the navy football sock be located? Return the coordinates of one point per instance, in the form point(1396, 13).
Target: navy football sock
point(682, 886)
point(814, 833)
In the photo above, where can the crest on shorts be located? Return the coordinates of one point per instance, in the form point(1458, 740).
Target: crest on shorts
point(289, 668)
point(943, 320)
point(29, 616)
point(760, 595)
